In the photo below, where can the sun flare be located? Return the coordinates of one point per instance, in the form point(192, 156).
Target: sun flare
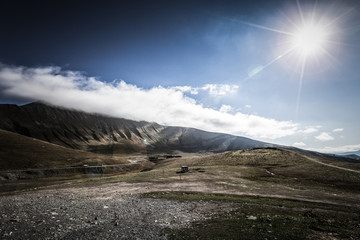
point(309, 40)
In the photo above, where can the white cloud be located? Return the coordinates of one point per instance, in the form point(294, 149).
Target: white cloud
point(338, 130)
point(120, 99)
point(299, 144)
point(225, 108)
point(248, 106)
point(189, 89)
point(310, 130)
point(215, 90)
point(341, 149)
point(324, 137)
point(220, 89)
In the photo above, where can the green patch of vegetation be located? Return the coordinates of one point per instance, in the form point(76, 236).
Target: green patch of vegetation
point(278, 202)
point(267, 218)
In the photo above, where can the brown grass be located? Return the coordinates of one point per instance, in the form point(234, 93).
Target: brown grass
point(20, 152)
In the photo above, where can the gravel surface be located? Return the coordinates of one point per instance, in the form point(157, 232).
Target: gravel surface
point(113, 211)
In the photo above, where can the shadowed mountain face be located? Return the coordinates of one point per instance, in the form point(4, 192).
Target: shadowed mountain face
point(21, 152)
point(97, 133)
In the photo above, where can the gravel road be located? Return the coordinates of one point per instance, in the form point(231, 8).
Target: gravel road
point(111, 211)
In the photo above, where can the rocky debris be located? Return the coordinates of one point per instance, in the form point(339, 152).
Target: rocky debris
point(309, 214)
point(251, 217)
point(89, 213)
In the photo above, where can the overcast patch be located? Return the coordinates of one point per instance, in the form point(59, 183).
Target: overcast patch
point(159, 104)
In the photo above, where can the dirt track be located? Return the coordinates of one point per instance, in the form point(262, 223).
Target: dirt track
point(330, 165)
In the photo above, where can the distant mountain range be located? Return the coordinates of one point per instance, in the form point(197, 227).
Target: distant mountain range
point(109, 135)
point(351, 153)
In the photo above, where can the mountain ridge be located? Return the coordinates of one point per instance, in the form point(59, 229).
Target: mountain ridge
point(105, 134)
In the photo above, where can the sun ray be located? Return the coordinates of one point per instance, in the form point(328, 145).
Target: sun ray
point(278, 57)
point(270, 63)
point(313, 38)
point(300, 11)
point(332, 57)
point(313, 13)
point(339, 17)
point(343, 44)
point(267, 28)
point(300, 87)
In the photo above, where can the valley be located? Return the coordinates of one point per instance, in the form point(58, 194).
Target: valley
point(249, 194)
point(65, 187)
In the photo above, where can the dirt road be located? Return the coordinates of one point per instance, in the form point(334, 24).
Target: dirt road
point(330, 165)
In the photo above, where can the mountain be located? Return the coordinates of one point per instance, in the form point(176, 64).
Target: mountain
point(351, 157)
point(355, 154)
point(21, 152)
point(104, 134)
point(338, 157)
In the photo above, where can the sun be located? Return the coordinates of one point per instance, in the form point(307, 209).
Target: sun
point(309, 40)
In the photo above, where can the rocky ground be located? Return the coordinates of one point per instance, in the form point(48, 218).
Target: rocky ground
point(112, 211)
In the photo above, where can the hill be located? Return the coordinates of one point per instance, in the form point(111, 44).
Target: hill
point(250, 194)
point(104, 134)
point(21, 152)
point(268, 191)
point(275, 166)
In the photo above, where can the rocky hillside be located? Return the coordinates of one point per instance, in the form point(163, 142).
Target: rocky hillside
point(21, 152)
point(104, 134)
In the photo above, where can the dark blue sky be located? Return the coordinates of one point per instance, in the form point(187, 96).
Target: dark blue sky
point(212, 47)
point(121, 39)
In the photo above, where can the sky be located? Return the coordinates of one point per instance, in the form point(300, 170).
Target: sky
point(285, 72)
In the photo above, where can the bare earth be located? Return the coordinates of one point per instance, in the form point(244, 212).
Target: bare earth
point(113, 206)
point(111, 211)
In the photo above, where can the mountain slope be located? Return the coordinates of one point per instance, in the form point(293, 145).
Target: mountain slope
point(193, 140)
point(97, 133)
point(73, 129)
point(21, 152)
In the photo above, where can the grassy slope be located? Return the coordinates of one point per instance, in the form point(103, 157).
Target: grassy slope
point(265, 172)
point(20, 152)
point(267, 218)
point(242, 172)
point(277, 217)
point(249, 172)
point(275, 165)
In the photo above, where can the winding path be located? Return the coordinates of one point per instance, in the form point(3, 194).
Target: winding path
point(330, 165)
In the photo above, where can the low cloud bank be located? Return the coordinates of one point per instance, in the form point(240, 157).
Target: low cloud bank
point(164, 105)
point(341, 149)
